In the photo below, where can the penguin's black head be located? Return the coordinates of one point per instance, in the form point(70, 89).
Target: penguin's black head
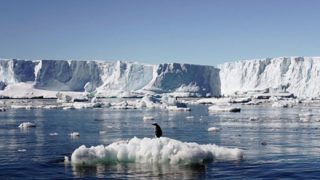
point(155, 124)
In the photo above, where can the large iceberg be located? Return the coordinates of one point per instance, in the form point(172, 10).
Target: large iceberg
point(298, 76)
point(106, 79)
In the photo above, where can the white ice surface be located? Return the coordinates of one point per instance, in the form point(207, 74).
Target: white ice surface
point(154, 151)
point(298, 75)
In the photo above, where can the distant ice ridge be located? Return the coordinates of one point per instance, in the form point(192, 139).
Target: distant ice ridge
point(153, 151)
point(281, 76)
point(106, 79)
point(297, 75)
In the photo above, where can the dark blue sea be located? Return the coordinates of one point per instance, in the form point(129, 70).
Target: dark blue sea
point(277, 142)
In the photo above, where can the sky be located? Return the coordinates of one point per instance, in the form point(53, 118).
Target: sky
point(206, 32)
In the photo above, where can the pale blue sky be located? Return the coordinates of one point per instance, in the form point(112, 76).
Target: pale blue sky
point(156, 31)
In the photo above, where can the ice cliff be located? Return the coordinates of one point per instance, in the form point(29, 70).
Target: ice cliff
point(297, 75)
point(106, 78)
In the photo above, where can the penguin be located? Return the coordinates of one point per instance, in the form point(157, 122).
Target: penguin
point(157, 130)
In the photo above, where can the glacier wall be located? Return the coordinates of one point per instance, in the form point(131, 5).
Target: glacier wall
point(111, 78)
point(298, 75)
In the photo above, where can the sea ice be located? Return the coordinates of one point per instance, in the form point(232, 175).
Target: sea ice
point(153, 151)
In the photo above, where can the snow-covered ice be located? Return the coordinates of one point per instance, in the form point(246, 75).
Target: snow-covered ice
point(153, 151)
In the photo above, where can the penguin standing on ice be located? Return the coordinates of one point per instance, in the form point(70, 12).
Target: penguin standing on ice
point(157, 130)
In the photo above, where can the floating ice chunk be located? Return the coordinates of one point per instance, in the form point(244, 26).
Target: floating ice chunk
point(253, 118)
point(305, 117)
point(223, 109)
point(148, 118)
point(189, 117)
point(149, 102)
point(66, 160)
point(85, 105)
point(213, 129)
point(122, 105)
point(102, 132)
point(74, 134)
point(240, 100)
point(27, 125)
point(307, 114)
point(54, 134)
point(175, 108)
point(63, 98)
point(68, 107)
point(153, 151)
point(22, 150)
point(283, 104)
point(213, 101)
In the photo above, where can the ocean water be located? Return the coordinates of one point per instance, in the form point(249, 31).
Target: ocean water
point(277, 142)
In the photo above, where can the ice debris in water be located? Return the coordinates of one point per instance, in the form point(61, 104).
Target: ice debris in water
point(27, 125)
point(148, 118)
point(75, 134)
point(213, 129)
point(223, 109)
point(54, 134)
point(153, 151)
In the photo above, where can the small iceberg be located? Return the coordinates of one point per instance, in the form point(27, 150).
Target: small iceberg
point(27, 125)
point(74, 134)
point(148, 118)
point(223, 109)
point(213, 129)
point(189, 117)
point(153, 151)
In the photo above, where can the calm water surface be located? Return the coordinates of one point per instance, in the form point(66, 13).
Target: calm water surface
point(278, 144)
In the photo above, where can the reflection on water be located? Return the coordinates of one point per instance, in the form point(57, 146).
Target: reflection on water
point(142, 171)
point(291, 142)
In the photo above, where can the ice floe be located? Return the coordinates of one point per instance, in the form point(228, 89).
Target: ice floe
point(153, 151)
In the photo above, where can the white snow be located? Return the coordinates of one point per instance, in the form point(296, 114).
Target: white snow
point(153, 151)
